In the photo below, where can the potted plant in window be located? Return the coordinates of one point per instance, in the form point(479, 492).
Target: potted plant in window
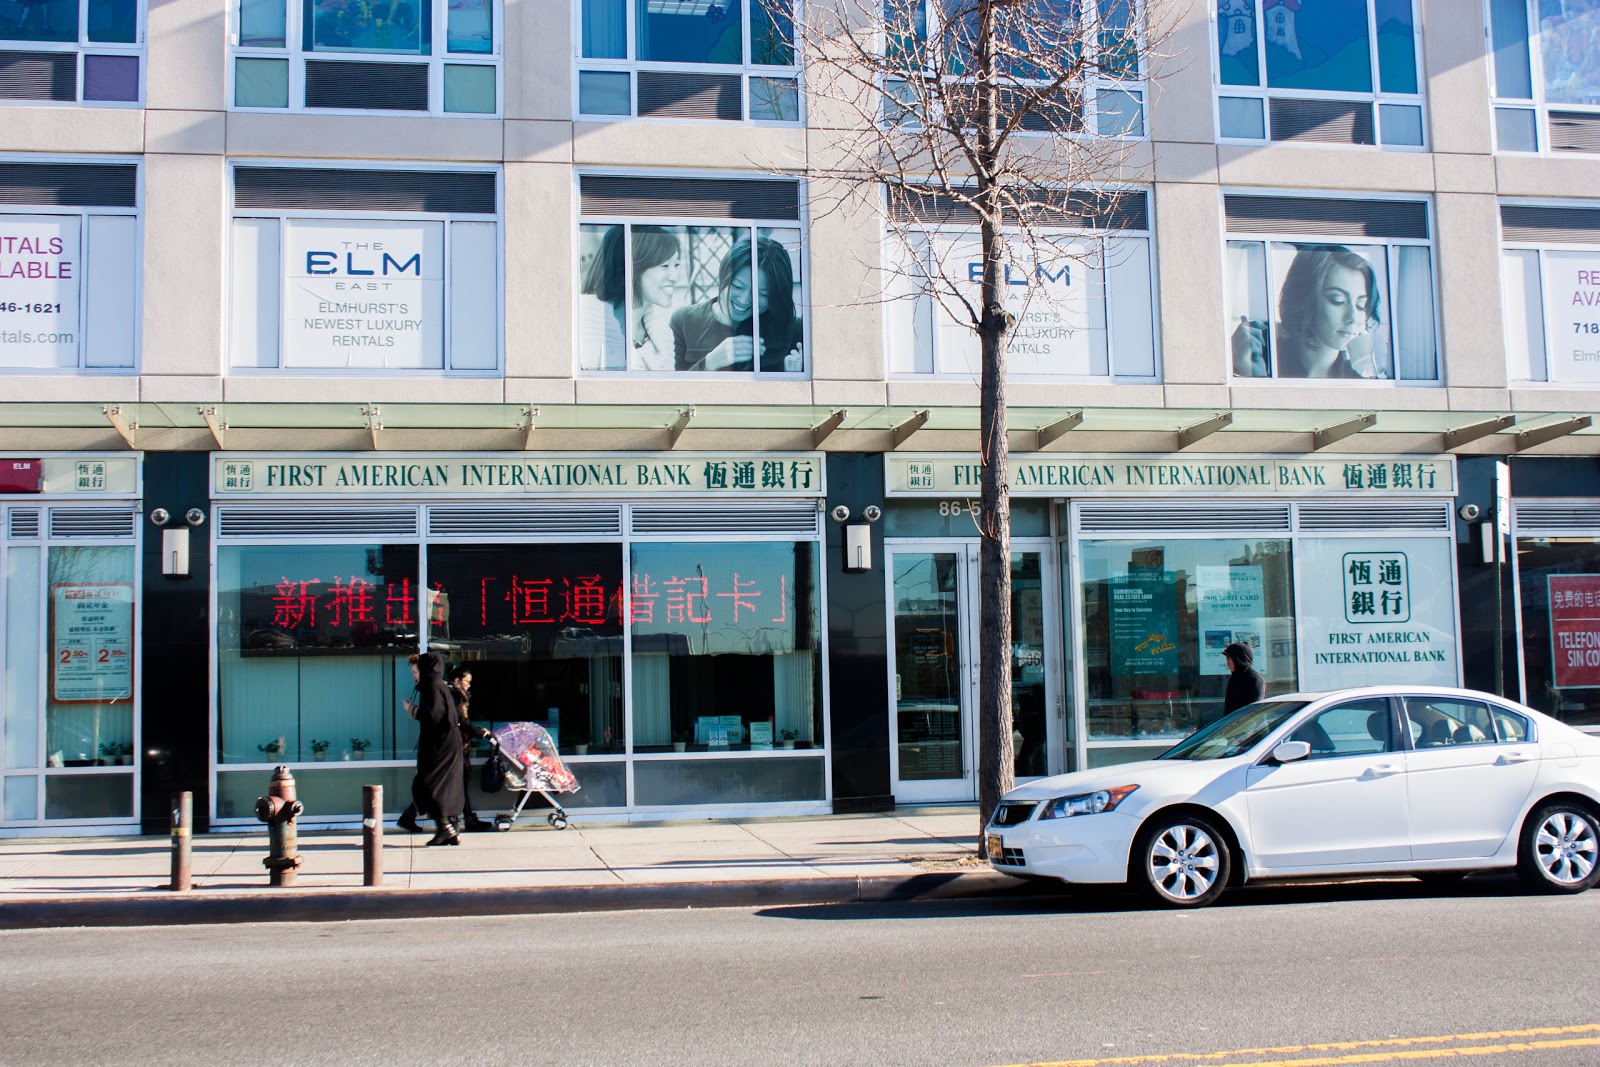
point(680, 740)
point(319, 749)
point(272, 749)
point(788, 737)
point(358, 747)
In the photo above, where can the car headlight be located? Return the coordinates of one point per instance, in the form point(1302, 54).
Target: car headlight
point(1086, 803)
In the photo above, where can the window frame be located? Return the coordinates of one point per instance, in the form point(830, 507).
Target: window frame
point(83, 47)
point(1396, 743)
point(295, 54)
point(285, 215)
point(1267, 239)
point(1377, 97)
point(631, 65)
point(1536, 104)
point(1539, 249)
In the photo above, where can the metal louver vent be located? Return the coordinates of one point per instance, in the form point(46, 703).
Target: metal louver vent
point(800, 520)
point(1125, 210)
point(700, 198)
point(1326, 216)
point(1161, 517)
point(329, 189)
point(22, 525)
point(367, 86)
point(1433, 515)
point(1322, 121)
point(91, 522)
point(1557, 516)
point(1573, 225)
point(1574, 131)
point(669, 94)
point(39, 76)
point(275, 521)
point(74, 184)
point(532, 521)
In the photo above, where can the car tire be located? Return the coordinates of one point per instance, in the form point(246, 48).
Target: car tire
point(1181, 860)
point(1559, 851)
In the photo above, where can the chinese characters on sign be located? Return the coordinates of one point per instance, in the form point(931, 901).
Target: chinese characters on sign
point(1375, 587)
point(91, 650)
point(1575, 629)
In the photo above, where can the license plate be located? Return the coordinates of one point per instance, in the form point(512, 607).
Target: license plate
point(994, 847)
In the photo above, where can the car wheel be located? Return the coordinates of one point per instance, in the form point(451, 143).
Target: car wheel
point(1559, 849)
point(1181, 861)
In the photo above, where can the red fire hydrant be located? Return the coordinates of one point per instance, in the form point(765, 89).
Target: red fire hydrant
point(278, 810)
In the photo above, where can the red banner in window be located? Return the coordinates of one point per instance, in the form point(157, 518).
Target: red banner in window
point(1575, 630)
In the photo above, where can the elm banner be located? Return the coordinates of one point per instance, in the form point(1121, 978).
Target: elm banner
point(364, 294)
point(1572, 315)
point(40, 267)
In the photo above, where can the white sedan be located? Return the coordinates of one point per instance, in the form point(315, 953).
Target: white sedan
point(1418, 780)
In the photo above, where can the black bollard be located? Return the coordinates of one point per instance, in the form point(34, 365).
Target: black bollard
point(182, 860)
point(372, 835)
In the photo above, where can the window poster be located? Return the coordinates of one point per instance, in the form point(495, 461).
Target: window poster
point(1575, 630)
point(1144, 622)
point(1572, 315)
point(1376, 612)
point(40, 267)
point(364, 294)
point(1569, 48)
point(91, 642)
point(1230, 610)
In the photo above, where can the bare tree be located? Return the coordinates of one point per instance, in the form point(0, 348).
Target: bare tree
point(996, 124)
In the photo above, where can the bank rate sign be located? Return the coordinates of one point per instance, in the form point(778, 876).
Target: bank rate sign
point(39, 271)
point(364, 294)
point(1575, 629)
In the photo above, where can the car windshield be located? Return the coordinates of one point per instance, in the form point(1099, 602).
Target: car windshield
point(1235, 733)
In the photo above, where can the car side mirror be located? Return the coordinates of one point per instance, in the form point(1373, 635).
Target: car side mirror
point(1290, 751)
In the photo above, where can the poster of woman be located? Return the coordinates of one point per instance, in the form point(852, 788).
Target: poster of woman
point(1331, 312)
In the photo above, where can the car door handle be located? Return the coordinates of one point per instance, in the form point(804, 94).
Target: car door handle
point(1507, 758)
point(1382, 770)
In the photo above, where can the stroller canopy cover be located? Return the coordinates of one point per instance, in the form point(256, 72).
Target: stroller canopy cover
point(530, 746)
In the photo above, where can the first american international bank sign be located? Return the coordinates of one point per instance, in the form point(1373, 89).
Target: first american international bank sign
point(1156, 474)
point(519, 474)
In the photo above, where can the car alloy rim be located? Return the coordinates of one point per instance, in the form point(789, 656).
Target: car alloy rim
point(1183, 862)
point(1566, 847)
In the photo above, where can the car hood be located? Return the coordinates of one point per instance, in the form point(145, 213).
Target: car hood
point(1152, 776)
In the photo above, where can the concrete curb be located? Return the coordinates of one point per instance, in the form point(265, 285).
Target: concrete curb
point(341, 905)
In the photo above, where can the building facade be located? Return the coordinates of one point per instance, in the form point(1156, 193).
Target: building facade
point(332, 332)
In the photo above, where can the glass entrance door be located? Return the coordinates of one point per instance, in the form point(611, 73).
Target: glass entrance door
point(934, 608)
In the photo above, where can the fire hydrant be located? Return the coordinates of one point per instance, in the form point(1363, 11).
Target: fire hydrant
point(278, 810)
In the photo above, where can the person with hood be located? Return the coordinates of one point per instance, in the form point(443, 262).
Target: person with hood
point(1245, 683)
point(437, 789)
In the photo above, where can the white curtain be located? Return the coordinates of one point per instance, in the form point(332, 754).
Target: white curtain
point(792, 694)
point(605, 29)
point(1413, 315)
point(652, 698)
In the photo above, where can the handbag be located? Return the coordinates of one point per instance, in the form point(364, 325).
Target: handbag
point(492, 775)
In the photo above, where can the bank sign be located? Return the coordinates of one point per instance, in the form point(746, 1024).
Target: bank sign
point(530, 474)
point(1162, 475)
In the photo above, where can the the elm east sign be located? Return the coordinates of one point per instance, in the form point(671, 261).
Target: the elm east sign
point(1210, 476)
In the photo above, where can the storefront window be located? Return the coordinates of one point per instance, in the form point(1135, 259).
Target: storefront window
point(540, 626)
point(725, 649)
point(1157, 615)
point(1560, 579)
point(311, 647)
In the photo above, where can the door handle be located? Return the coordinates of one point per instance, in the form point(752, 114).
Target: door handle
point(1382, 770)
point(1508, 758)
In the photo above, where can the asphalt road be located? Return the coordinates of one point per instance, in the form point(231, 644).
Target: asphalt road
point(1373, 972)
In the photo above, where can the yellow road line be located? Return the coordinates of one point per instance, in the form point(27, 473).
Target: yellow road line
point(1395, 1048)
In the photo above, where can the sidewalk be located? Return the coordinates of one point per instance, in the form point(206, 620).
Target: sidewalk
point(913, 854)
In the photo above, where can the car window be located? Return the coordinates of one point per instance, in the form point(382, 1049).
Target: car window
point(1435, 722)
point(1512, 728)
point(1235, 733)
point(1358, 728)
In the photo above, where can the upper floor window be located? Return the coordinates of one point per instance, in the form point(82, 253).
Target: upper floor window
point(72, 51)
point(426, 56)
point(1551, 264)
point(1347, 286)
point(687, 274)
point(1330, 71)
point(1103, 37)
point(369, 271)
point(1082, 298)
point(1546, 74)
point(725, 60)
point(69, 266)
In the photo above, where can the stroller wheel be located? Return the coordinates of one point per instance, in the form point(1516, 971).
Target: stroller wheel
point(502, 823)
point(558, 820)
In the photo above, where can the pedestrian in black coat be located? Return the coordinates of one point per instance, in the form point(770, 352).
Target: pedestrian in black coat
point(437, 788)
point(1245, 684)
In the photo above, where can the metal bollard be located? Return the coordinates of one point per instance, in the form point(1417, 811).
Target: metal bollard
point(278, 810)
point(372, 835)
point(182, 860)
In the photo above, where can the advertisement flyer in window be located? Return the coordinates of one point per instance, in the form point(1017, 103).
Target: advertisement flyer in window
point(40, 267)
point(1575, 630)
point(1376, 612)
point(1144, 622)
point(1572, 315)
point(364, 294)
point(1231, 610)
point(91, 642)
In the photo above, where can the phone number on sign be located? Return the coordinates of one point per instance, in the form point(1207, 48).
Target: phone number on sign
point(31, 309)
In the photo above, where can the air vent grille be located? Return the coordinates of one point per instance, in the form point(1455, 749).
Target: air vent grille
point(799, 520)
point(1565, 225)
point(38, 75)
point(1322, 121)
point(1433, 515)
point(713, 198)
point(331, 189)
point(479, 521)
point(70, 184)
point(1557, 516)
point(277, 521)
point(91, 522)
point(1574, 131)
point(367, 86)
point(1325, 216)
point(664, 94)
point(22, 524)
point(1197, 516)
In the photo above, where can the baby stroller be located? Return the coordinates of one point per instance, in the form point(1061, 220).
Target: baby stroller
point(531, 765)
